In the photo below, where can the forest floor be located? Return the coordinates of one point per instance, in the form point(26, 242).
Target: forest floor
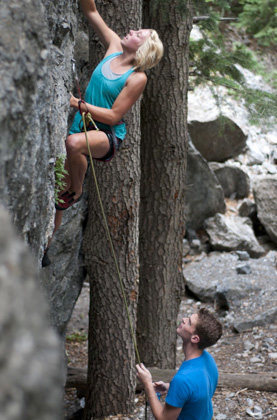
point(250, 352)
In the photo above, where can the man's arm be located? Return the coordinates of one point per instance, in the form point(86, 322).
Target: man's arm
point(160, 411)
point(106, 35)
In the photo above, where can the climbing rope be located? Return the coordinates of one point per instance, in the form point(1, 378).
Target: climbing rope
point(86, 117)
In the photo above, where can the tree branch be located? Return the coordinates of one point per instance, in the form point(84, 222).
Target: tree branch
point(197, 19)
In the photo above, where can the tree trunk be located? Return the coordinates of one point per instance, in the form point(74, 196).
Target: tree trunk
point(163, 165)
point(111, 364)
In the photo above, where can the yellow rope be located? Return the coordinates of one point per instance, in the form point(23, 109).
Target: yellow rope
point(88, 117)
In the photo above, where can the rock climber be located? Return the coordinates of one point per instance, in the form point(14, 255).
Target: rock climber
point(115, 85)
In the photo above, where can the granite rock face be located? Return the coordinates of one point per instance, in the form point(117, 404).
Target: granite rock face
point(31, 356)
point(37, 43)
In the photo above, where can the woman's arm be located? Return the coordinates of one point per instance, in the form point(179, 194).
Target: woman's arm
point(127, 97)
point(106, 35)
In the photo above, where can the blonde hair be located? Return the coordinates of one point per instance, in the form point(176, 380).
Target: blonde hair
point(149, 53)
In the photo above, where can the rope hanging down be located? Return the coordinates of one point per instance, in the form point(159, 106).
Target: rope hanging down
point(87, 116)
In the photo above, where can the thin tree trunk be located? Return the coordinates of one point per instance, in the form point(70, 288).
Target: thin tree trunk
point(163, 163)
point(111, 370)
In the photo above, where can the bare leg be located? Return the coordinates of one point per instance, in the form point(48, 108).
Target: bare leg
point(77, 151)
point(76, 165)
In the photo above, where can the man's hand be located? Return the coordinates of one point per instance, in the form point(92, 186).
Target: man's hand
point(161, 387)
point(143, 374)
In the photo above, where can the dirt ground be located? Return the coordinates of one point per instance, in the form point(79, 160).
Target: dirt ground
point(252, 352)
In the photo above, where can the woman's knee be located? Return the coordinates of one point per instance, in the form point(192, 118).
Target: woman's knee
point(73, 144)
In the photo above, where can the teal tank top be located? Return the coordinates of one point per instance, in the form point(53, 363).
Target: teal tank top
point(102, 92)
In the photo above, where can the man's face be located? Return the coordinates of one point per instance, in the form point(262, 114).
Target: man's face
point(186, 329)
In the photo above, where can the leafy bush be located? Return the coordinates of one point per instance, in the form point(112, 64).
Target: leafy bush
point(259, 18)
point(60, 173)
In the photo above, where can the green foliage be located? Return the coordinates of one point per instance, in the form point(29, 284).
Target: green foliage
point(213, 62)
point(259, 18)
point(60, 173)
point(77, 337)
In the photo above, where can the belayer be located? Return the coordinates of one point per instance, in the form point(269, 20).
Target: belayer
point(189, 394)
point(115, 85)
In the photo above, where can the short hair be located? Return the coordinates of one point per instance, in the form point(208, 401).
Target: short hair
point(208, 328)
point(149, 53)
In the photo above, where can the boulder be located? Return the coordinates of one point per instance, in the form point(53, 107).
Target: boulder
point(231, 233)
point(265, 193)
point(247, 208)
point(31, 354)
point(262, 320)
point(215, 279)
point(217, 140)
point(204, 196)
point(234, 181)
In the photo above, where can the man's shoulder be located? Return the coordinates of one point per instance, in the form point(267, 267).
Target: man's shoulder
point(208, 358)
point(204, 363)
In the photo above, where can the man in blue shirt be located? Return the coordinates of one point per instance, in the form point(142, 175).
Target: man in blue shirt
point(189, 395)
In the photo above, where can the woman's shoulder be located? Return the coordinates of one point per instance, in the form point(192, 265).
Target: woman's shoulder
point(138, 77)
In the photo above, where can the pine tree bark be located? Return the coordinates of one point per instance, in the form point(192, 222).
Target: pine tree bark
point(163, 165)
point(111, 364)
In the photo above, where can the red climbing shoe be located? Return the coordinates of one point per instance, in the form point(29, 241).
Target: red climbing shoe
point(68, 200)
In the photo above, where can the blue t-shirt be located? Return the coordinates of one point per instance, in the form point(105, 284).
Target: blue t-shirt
point(102, 92)
point(193, 387)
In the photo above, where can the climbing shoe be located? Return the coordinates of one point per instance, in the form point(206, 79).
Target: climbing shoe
point(67, 200)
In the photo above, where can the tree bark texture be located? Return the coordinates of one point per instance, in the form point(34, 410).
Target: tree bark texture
point(163, 165)
point(111, 365)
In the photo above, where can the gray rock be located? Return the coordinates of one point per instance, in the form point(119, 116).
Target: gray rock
point(31, 356)
point(244, 269)
point(215, 279)
point(248, 345)
point(217, 140)
point(234, 181)
point(186, 247)
point(37, 43)
point(273, 355)
point(195, 244)
point(273, 156)
point(204, 196)
point(230, 233)
point(265, 193)
point(247, 208)
point(255, 156)
point(63, 279)
point(243, 255)
point(263, 319)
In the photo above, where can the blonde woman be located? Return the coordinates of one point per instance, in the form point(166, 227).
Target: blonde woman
point(115, 85)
